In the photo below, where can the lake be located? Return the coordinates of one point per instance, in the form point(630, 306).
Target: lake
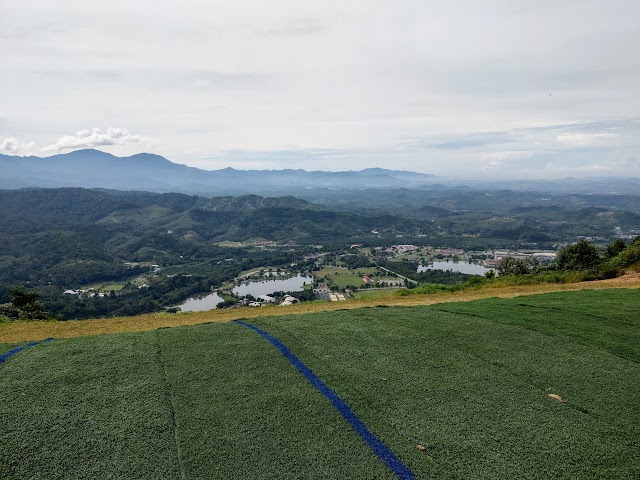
point(265, 287)
point(462, 267)
point(202, 304)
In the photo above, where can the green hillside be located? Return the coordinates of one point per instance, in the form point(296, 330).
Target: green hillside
point(468, 381)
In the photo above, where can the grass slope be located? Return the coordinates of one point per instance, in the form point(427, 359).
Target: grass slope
point(38, 330)
point(90, 408)
point(469, 381)
point(607, 321)
point(6, 347)
point(244, 412)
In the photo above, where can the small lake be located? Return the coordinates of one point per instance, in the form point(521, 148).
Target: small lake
point(461, 267)
point(265, 287)
point(202, 304)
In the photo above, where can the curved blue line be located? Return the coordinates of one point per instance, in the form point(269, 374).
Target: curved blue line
point(379, 448)
point(11, 353)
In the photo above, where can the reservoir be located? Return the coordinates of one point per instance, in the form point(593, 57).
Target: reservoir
point(202, 304)
point(265, 287)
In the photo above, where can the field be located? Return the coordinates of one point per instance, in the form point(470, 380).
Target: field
point(468, 381)
point(229, 244)
point(343, 277)
point(107, 287)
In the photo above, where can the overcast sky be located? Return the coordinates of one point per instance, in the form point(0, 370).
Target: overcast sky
point(495, 88)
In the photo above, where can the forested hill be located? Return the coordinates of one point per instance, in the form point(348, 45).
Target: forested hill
point(106, 213)
point(37, 209)
point(54, 239)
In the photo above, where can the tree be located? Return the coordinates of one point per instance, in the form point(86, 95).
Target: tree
point(25, 304)
point(615, 248)
point(21, 297)
point(580, 255)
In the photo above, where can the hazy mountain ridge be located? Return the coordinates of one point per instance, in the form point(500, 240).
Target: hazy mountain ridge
point(96, 169)
point(145, 171)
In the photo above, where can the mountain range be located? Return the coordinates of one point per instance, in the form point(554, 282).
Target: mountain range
point(145, 171)
point(149, 172)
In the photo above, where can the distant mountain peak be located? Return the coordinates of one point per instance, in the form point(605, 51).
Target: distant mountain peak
point(84, 152)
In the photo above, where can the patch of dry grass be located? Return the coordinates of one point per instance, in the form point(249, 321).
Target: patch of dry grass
point(23, 331)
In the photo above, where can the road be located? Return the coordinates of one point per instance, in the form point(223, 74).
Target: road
point(398, 275)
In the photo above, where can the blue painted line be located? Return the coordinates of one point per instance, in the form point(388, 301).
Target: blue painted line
point(11, 353)
point(379, 448)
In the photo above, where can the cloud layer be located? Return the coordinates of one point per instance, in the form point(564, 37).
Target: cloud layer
point(96, 138)
point(442, 87)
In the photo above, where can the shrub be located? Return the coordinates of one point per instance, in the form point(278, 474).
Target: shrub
point(627, 258)
point(513, 266)
point(606, 272)
point(431, 288)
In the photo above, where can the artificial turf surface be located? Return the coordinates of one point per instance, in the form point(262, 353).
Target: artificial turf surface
point(7, 347)
point(468, 381)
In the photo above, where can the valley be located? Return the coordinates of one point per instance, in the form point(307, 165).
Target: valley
point(124, 253)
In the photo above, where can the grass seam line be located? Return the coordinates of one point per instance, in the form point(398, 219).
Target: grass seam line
point(5, 356)
point(169, 397)
point(375, 444)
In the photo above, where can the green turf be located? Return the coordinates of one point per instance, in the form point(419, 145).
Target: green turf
point(94, 407)
point(609, 320)
point(5, 347)
point(244, 412)
point(469, 381)
point(474, 391)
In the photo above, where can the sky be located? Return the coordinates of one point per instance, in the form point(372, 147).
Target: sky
point(470, 88)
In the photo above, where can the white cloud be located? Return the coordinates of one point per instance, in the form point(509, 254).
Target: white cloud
point(579, 139)
point(97, 138)
point(13, 146)
point(10, 145)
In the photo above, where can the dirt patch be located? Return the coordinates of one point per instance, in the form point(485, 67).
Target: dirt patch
point(557, 397)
